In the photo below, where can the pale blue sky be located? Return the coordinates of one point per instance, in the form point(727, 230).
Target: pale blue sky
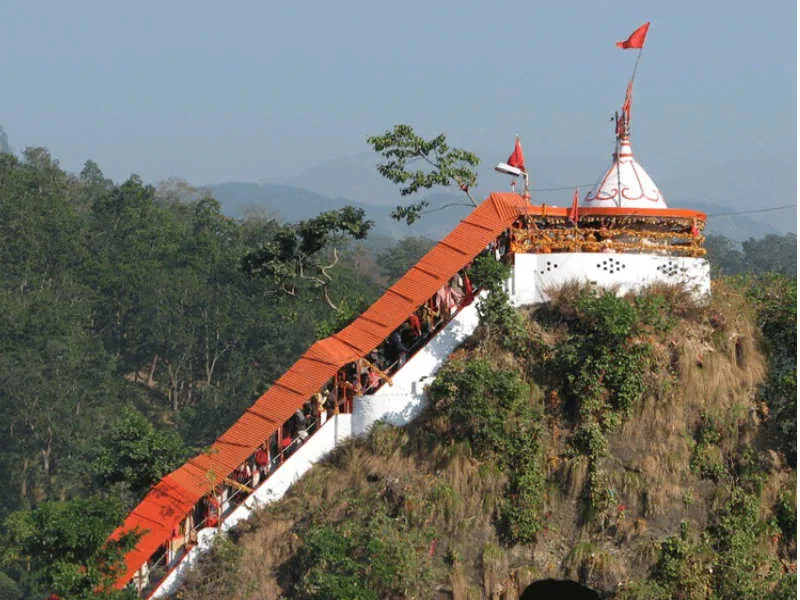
point(220, 91)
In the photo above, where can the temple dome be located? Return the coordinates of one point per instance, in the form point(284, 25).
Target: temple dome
point(625, 178)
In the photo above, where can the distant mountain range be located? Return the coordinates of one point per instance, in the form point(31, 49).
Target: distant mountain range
point(292, 203)
point(715, 188)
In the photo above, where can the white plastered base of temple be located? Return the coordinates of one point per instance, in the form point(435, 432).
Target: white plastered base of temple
point(535, 274)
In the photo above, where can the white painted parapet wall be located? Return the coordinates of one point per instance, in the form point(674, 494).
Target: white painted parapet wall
point(318, 445)
point(401, 402)
point(534, 274)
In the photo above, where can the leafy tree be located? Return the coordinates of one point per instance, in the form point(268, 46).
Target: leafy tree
point(349, 310)
point(5, 147)
point(294, 257)
point(132, 241)
point(135, 454)
point(59, 547)
point(775, 300)
point(396, 260)
point(402, 146)
point(772, 253)
point(725, 255)
point(93, 184)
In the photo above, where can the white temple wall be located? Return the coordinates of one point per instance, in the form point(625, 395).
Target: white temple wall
point(401, 402)
point(534, 274)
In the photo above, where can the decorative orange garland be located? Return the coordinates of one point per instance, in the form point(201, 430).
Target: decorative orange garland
point(583, 239)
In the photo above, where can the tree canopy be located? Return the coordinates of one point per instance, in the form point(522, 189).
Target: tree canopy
point(439, 164)
point(131, 337)
point(293, 256)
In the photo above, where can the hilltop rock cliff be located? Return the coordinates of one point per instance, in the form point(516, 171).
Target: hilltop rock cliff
point(635, 445)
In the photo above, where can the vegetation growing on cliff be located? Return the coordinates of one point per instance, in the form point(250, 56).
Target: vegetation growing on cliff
point(637, 445)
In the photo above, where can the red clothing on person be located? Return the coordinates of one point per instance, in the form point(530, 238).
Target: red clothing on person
point(212, 511)
point(469, 294)
point(261, 457)
point(416, 326)
point(286, 442)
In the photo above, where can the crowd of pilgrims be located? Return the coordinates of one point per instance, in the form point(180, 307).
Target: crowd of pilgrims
point(363, 377)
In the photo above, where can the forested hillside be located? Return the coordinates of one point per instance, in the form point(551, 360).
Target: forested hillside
point(131, 337)
point(137, 324)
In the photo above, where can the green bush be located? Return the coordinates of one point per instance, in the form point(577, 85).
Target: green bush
point(684, 567)
point(775, 299)
point(602, 363)
point(744, 567)
point(590, 441)
point(490, 408)
point(786, 515)
point(487, 273)
point(367, 556)
point(480, 402)
point(502, 323)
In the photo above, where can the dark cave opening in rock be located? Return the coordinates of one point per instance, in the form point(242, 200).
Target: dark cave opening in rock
point(553, 588)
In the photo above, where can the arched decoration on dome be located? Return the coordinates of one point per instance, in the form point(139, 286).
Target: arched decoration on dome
point(625, 185)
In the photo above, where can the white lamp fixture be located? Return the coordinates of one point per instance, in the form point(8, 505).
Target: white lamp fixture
point(514, 172)
point(509, 170)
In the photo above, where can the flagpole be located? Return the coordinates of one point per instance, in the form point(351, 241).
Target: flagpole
point(633, 75)
point(636, 65)
point(619, 179)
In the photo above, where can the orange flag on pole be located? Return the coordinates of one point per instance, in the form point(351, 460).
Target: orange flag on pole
point(517, 159)
point(636, 39)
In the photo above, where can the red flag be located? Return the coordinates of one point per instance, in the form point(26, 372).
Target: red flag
point(573, 211)
point(695, 231)
point(636, 39)
point(517, 159)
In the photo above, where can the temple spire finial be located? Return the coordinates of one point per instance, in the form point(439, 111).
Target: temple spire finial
point(624, 119)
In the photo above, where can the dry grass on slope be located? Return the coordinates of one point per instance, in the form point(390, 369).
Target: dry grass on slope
point(708, 367)
point(705, 371)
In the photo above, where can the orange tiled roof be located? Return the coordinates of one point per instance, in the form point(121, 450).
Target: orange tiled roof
point(169, 501)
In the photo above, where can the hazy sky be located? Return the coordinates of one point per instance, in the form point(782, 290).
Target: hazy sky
point(220, 91)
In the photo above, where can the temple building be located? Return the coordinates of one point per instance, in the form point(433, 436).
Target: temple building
point(622, 235)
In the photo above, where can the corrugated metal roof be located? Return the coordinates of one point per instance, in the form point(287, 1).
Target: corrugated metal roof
point(172, 498)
